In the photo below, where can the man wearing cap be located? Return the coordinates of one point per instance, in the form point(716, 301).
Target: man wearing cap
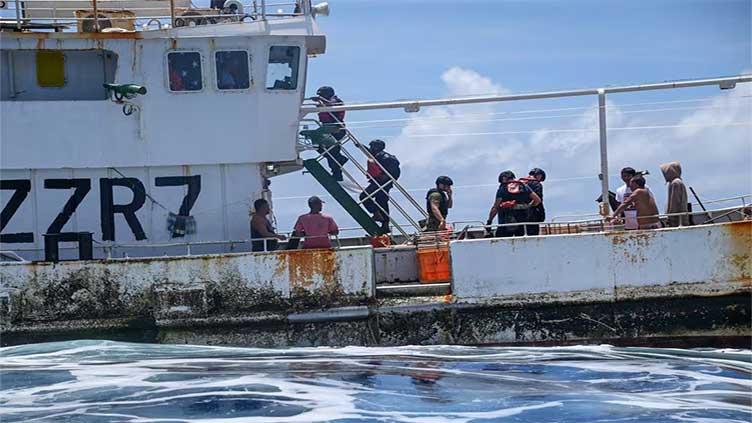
point(534, 180)
point(334, 123)
point(438, 203)
point(316, 226)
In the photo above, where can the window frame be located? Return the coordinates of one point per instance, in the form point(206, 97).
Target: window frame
point(167, 71)
point(299, 81)
point(249, 56)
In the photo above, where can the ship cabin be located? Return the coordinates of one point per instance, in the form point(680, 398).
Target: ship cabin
point(155, 122)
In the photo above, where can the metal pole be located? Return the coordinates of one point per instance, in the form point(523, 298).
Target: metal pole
point(18, 14)
point(414, 105)
point(172, 13)
point(96, 16)
point(702, 206)
point(263, 10)
point(604, 149)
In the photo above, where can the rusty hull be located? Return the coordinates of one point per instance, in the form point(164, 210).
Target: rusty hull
point(327, 297)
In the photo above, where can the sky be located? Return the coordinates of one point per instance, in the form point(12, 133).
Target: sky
point(411, 49)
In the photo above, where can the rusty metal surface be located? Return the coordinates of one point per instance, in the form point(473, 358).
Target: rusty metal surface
point(397, 264)
point(326, 297)
point(706, 321)
point(184, 287)
point(700, 260)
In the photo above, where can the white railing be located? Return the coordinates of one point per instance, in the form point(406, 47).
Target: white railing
point(134, 15)
point(742, 198)
point(472, 229)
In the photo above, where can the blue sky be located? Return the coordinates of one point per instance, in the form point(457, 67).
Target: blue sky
point(385, 50)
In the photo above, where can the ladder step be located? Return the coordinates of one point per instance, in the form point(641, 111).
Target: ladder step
point(414, 290)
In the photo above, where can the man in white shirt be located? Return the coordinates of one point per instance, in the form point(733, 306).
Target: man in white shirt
point(624, 191)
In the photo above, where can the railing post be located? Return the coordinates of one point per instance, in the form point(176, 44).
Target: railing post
point(604, 149)
point(18, 14)
point(96, 15)
point(263, 10)
point(172, 13)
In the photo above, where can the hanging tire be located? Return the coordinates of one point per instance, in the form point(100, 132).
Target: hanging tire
point(192, 18)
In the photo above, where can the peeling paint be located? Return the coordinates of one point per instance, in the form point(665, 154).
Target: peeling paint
point(741, 254)
point(76, 35)
point(185, 286)
point(689, 282)
point(597, 266)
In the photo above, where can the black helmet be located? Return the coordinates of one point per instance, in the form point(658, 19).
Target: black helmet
point(506, 174)
point(377, 145)
point(538, 171)
point(326, 92)
point(445, 180)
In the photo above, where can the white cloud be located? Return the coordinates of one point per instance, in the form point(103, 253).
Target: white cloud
point(419, 152)
point(708, 142)
point(461, 82)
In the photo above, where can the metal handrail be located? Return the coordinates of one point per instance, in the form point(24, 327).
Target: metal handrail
point(108, 248)
point(350, 137)
point(353, 180)
point(257, 11)
point(719, 200)
point(726, 211)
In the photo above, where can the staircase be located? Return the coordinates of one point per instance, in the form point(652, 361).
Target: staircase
point(322, 138)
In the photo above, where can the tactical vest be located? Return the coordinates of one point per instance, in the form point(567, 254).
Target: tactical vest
point(442, 204)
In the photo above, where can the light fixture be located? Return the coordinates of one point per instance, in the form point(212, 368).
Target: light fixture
point(727, 85)
point(321, 9)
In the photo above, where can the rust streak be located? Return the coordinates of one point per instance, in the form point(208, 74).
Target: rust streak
point(740, 257)
point(78, 35)
point(306, 266)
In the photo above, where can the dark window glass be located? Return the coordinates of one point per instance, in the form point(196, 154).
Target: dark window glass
point(282, 72)
point(232, 70)
point(185, 71)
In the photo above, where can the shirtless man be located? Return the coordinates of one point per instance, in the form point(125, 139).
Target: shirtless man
point(643, 202)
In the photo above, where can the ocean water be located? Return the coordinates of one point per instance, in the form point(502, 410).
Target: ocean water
point(103, 381)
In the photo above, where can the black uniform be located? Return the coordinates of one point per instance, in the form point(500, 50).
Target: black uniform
point(514, 208)
point(335, 159)
point(537, 213)
point(392, 165)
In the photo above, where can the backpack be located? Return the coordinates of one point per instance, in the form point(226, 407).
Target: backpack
point(391, 164)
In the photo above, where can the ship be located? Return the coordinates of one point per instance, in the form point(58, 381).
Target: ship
point(120, 119)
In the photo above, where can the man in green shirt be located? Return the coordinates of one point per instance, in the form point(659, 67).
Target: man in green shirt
point(438, 203)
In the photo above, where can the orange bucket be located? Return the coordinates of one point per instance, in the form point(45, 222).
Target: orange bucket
point(433, 265)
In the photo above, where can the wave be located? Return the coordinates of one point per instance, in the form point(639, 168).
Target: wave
point(105, 381)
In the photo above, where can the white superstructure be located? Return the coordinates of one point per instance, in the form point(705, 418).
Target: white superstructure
point(181, 163)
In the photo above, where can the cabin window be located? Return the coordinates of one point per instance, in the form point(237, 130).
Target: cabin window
point(232, 70)
point(50, 68)
point(56, 75)
point(282, 72)
point(184, 70)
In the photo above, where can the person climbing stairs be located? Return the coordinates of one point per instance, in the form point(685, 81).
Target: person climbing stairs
point(324, 142)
